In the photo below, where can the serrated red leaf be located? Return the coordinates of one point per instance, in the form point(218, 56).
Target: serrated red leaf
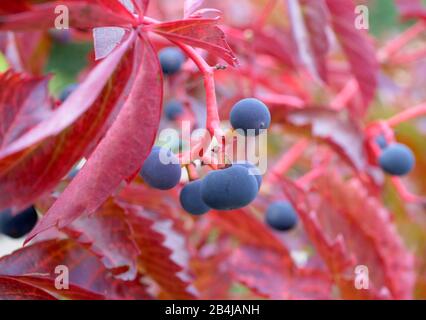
point(358, 49)
point(127, 239)
point(82, 14)
point(348, 210)
point(35, 163)
point(107, 233)
point(160, 256)
point(121, 152)
point(198, 32)
point(337, 255)
point(85, 271)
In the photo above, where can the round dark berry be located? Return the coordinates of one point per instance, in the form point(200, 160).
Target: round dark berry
point(171, 60)
point(381, 141)
point(173, 109)
point(253, 170)
point(18, 225)
point(161, 169)
point(228, 189)
point(67, 92)
point(397, 159)
point(250, 115)
point(281, 216)
point(190, 198)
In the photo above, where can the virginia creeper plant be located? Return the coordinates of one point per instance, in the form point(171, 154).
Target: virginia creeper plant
point(343, 110)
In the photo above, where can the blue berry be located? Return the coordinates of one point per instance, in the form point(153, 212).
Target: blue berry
point(253, 170)
point(190, 198)
point(250, 114)
point(281, 216)
point(161, 169)
point(381, 141)
point(67, 92)
point(229, 189)
point(171, 60)
point(173, 109)
point(397, 159)
point(17, 226)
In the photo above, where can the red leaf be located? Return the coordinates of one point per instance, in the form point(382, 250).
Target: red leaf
point(13, 6)
point(12, 289)
point(107, 233)
point(336, 253)
point(24, 103)
point(86, 273)
point(315, 20)
point(348, 210)
point(121, 152)
point(357, 47)
point(82, 14)
point(73, 291)
point(34, 163)
point(268, 274)
point(159, 256)
point(198, 32)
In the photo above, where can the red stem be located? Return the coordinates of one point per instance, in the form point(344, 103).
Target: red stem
point(396, 44)
point(406, 115)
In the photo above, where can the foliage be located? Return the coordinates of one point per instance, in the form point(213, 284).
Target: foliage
point(331, 90)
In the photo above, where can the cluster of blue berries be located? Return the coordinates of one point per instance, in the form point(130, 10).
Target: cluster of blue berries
point(396, 159)
point(18, 225)
point(231, 188)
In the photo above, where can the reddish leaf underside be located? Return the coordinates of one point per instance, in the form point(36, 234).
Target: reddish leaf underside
point(198, 32)
point(121, 152)
point(35, 163)
point(358, 49)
